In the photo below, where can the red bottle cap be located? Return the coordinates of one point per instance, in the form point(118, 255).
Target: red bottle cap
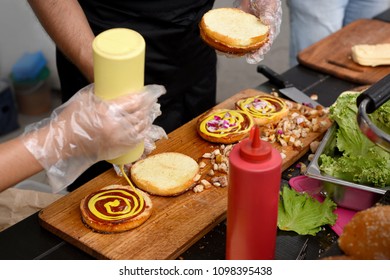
point(253, 148)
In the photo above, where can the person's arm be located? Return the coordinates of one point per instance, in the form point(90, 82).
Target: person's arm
point(66, 24)
point(79, 133)
point(16, 163)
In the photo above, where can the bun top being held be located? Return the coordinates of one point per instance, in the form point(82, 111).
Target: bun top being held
point(233, 31)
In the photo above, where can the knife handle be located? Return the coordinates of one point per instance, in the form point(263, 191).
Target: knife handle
point(274, 77)
point(377, 94)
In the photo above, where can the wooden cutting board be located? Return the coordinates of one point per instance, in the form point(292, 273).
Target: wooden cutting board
point(332, 55)
point(176, 223)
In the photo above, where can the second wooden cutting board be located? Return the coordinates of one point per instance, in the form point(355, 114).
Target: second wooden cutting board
point(176, 222)
point(332, 55)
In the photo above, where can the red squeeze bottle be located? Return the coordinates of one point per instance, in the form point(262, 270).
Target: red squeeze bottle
point(255, 169)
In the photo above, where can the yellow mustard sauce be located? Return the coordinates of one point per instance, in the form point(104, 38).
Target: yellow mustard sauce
point(226, 121)
point(114, 200)
point(263, 107)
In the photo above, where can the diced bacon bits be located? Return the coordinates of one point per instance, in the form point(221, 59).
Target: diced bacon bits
point(198, 188)
point(205, 183)
point(197, 177)
point(218, 160)
point(303, 168)
point(292, 129)
point(206, 155)
point(221, 181)
point(314, 146)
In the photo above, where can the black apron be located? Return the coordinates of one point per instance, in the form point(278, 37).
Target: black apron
point(176, 57)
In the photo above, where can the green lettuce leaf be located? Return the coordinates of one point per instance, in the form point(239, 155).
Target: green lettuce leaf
point(302, 213)
point(360, 161)
point(355, 168)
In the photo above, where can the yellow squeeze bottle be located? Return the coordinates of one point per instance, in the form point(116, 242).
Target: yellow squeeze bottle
point(119, 63)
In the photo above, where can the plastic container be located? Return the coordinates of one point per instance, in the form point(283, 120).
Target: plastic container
point(28, 67)
point(30, 81)
point(255, 169)
point(34, 97)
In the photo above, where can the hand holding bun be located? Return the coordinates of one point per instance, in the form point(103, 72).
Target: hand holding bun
point(262, 12)
point(233, 31)
point(270, 13)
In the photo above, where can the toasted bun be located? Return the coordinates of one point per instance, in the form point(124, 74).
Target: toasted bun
point(224, 126)
point(367, 235)
point(265, 109)
point(233, 31)
point(96, 217)
point(165, 174)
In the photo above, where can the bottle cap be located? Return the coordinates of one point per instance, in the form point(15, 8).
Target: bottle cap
point(119, 62)
point(253, 148)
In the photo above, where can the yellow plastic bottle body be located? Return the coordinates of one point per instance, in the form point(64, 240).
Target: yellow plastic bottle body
point(119, 63)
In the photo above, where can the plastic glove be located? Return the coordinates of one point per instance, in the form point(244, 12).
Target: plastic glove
point(87, 129)
point(153, 135)
point(270, 13)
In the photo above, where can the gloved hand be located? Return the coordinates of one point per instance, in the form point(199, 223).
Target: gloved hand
point(270, 13)
point(87, 129)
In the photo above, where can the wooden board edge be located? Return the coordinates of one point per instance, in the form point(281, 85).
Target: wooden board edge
point(42, 222)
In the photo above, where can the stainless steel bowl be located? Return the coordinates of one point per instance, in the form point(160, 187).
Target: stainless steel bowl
point(345, 194)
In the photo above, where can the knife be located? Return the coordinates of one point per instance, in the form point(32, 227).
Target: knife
point(286, 88)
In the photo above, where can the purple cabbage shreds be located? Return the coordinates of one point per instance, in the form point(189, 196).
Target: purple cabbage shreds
point(279, 131)
point(212, 126)
point(225, 124)
point(259, 104)
point(217, 123)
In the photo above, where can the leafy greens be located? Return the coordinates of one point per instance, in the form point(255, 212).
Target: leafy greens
point(302, 213)
point(359, 159)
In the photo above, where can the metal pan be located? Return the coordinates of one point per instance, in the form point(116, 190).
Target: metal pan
point(344, 193)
